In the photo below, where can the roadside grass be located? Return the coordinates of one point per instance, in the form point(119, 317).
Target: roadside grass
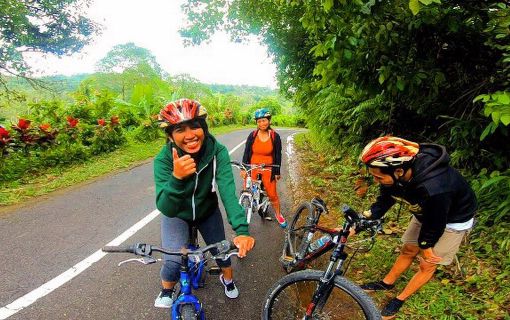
point(132, 154)
point(467, 289)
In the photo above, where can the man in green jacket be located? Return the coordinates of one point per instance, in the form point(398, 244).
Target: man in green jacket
point(186, 173)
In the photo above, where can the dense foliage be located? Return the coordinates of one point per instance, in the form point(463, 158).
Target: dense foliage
point(26, 26)
point(103, 111)
point(428, 70)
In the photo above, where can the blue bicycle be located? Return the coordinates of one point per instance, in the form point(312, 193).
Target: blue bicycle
point(193, 261)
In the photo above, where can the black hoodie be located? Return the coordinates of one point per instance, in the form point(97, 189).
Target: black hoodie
point(437, 194)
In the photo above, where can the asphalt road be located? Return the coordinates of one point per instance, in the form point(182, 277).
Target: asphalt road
point(47, 237)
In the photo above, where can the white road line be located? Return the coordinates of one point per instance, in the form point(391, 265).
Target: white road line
point(31, 297)
point(236, 147)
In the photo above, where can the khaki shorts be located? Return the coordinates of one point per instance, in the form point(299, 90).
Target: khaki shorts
point(447, 245)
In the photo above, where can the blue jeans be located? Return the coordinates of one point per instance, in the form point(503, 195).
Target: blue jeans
point(175, 235)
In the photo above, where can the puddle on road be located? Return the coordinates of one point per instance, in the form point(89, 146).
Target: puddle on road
point(293, 161)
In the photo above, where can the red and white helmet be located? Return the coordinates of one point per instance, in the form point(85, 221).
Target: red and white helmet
point(388, 151)
point(180, 111)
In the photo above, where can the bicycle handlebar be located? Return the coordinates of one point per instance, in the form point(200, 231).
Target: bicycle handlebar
point(359, 220)
point(142, 249)
point(248, 166)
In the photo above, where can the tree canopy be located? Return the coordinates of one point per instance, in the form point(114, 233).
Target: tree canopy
point(361, 69)
point(56, 27)
point(127, 56)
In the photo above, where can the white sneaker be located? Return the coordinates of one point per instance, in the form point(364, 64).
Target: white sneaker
point(230, 289)
point(164, 299)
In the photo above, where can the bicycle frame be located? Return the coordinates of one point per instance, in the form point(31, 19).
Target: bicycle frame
point(252, 190)
point(299, 254)
point(301, 261)
point(191, 273)
point(189, 279)
point(338, 257)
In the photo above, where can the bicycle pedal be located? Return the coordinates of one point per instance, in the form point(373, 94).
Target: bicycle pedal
point(214, 270)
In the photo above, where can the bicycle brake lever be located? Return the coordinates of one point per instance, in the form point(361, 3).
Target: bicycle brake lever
point(224, 257)
point(142, 260)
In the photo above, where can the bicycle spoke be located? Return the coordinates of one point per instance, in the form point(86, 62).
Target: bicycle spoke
point(293, 301)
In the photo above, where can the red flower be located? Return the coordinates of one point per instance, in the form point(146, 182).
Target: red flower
point(4, 138)
point(46, 127)
point(72, 122)
point(101, 122)
point(23, 124)
point(114, 120)
point(4, 134)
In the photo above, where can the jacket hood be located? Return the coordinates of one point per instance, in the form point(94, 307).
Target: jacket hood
point(431, 160)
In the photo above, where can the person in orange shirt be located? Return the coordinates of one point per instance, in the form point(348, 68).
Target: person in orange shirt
point(265, 146)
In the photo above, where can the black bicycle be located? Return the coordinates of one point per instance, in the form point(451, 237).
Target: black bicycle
point(316, 294)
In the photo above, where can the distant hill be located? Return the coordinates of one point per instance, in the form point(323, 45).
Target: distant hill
point(243, 89)
point(59, 84)
point(62, 84)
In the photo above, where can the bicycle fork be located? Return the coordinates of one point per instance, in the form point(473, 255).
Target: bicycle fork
point(320, 296)
point(327, 282)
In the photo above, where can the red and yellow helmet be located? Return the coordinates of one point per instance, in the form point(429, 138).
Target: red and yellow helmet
point(388, 151)
point(181, 110)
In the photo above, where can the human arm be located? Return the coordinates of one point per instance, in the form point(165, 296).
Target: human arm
point(226, 188)
point(381, 205)
point(170, 191)
point(247, 153)
point(277, 145)
point(434, 218)
point(247, 149)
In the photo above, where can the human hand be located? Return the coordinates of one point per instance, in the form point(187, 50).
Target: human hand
point(277, 177)
point(367, 214)
point(243, 174)
point(429, 256)
point(244, 244)
point(183, 166)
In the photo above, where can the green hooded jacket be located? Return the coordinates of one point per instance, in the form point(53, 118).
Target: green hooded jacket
point(194, 198)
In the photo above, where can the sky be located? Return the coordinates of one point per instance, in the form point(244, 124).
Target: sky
point(154, 25)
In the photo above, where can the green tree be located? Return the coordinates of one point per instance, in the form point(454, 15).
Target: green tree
point(56, 27)
point(127, 56)
point(360, 69)
point(125, 66)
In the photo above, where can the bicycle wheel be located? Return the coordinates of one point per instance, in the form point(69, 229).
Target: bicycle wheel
point(295, 243)
point(290, 296)
point(245, 203)
point(188, 312)
point(264, 209)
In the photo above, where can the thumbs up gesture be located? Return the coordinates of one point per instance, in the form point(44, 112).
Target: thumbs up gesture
point(183, 166)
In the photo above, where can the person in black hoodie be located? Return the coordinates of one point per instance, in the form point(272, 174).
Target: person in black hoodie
point(441, 201)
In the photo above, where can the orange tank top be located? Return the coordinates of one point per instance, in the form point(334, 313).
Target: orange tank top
point(262, 151)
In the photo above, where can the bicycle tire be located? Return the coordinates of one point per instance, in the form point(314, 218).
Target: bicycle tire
point(245, 203)
point(289, 297)
point(295, 241)
point(264, 211)
point(188, 312)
